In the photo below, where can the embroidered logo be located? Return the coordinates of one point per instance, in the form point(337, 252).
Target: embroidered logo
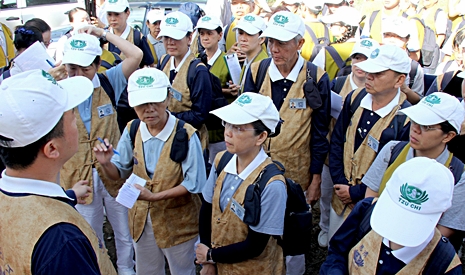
point(366, 43)
point(374, 54)
point(171, 21)
point(144, 81)
point(412, 196)
point(244, 99)
point(249, 18)
point(78, 44)
point(359, 256)
point(112, 1)
point(281, 19)
point(206, 18)
point(433, 99)
point(50, 78)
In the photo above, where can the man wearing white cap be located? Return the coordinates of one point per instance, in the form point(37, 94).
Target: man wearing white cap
point(191, 89)
point(41, 231)
point(153, 22)
point(165, 155)
point(239, 9)
point(117, 15)
point(367, 122)
point(302, 104)
point(97, 118)
point(435, 121)
point(397, 234)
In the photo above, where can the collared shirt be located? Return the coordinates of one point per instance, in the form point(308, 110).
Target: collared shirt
point(276, 75)
point(273, 197)
point(157, 45)
point(352, 82)
point(214, 57)
point(193, 166)
point(177, 68)
point(367, 103)
point(407, 254)
point(125, 33)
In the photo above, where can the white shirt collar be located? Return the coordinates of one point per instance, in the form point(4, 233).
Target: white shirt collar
point(367, 102)
point(407, 254)
point(163, 135)
point(180, 64)
point(31, 186)
point(96, 81)
point(352, 83)
point(125, 34)
point(214, 57)
point(231, 167)
point(275, 75)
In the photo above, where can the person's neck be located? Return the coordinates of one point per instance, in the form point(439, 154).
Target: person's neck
point(432, 153)
point(42, 169)
point(252, 54)
point(179, 58)
point(286, 69)
point(244, 159)
point(211, 51)
point(395, 246)
point(380, 100)
point(359, 81)
point(392, 12)
point(119, 31)
point(156, 129)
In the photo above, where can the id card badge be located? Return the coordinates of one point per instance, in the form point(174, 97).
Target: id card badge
point(105, 110)
point(373, 143)
point(297, 103)
point(177, 95)
point(237, 209)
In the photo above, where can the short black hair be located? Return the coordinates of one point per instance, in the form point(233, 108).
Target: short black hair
point(20, 158)
point(38, 23)
point(96, 60)
point(72, 12)
point(446, 127)
point(26, 36)
point(260, 128)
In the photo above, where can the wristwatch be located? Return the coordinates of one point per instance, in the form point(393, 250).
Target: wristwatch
point(209, 256)
point(104, 35)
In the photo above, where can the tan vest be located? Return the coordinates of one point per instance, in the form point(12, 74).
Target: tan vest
point(356, 163)
point(292, 146)
point(19, 235)
point(175, 220)
point(180, 85)
point(363, 258)
point(79, 167)
point(228, 229)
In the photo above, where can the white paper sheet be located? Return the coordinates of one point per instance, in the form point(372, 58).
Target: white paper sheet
point(128, 194)
point(234, 67)
point(34, 57)
point(336, 104)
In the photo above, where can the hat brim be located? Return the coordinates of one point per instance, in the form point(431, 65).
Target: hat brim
point(370, 66)
point(143, 96)
point(79, 88)
point(248, 28)
point(422, 115)
point(279, 34)
point(78, 58)
point(234, 114)
point(172, 33)
point(210, 27)
point(399, 225)
point(117, 9)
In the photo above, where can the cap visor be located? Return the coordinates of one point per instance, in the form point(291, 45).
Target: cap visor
point(117, 9)
point(422, 115)
point(79, 88)
point(78, 58)
point(172, 33)
point(207, 27)
point(278, 34)
point(140, 97)
point(371, 67)
point(249, 29)
point(234, 114)
point(400, 225)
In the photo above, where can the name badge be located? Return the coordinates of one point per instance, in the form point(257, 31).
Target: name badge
point(237, 209)
point(297, 103)
point(373, 143)
point(177, 95)
point(105, 110)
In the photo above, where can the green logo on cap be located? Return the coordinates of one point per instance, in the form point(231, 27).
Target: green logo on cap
point(78, 44)
point(171, 21)
point(366, 43)
point(413, 194)
point(374, 54)
point(145, 80)
point(206, 18)
point(244, 99)
point(50, 78)
point(281, 19)
point(249, 18)
point(433, 99)
point(112, 1)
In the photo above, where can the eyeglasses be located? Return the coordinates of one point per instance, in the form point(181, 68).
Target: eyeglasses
point(425, 128)
point(236, 128)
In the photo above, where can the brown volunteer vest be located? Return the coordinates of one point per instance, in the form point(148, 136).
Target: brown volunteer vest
point(180, 85)
point(228, 229)
point(130, 38)
point(25, 219)
point(356, 163)
point(363, 257)
point(292, 146)
point(79, 167)
point(175, 220)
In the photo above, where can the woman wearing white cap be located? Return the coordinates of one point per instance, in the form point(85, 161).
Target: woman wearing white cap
point(164, 222)
point(153, 22)
point(228, 244)
point(435, 121)
point(96, 118)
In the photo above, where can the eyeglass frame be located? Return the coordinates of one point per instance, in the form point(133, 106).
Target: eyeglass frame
point(425, 128)
point(235, 128)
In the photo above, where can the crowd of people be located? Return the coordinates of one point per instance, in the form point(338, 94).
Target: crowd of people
point(362, 106)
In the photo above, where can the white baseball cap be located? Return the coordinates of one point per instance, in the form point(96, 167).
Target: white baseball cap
point(209, 23)
point(250, 107)
point(386, 57)
point(284, 26)
point(175, 25)
point(347, 15)
point(411, 205)
point(81, 49)
point(32, 103)
point(146, 86)
point(364, 46)
point(155, 15)
point(315, 5)
point(116, 5)
point(397, 25)
point(251, 24)
point(437, 108)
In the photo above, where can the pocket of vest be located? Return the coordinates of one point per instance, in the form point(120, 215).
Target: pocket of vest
point(180, 146)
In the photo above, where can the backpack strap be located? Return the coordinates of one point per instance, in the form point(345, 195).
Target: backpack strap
point(137, 38)
point(396, 151)
point(446, 79)
point(356, 101)
point(365, 225)
point(312, 71)
point(440, 259)
point(326, 35)
point(372, 18)
point(271, 170)
point(191, 71)
point(312, 35)
point(340, 81)
point(133, 130)
point(413, 72)
point(457, 168)
point(225, 158)
point(6, 74)
point(106, 85)
point(261, 73)
point(164, 60)
point(336, 57)
point(226, 30)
